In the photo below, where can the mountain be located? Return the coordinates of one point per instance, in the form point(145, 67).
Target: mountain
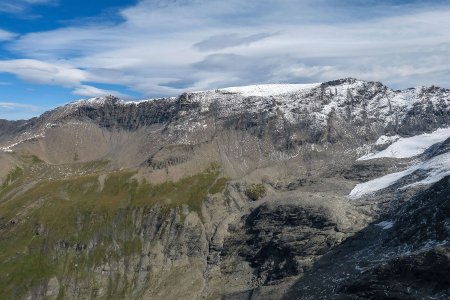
point(335, 190)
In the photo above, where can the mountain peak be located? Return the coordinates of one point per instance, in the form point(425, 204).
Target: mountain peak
point(264, 90)
point(96, 101)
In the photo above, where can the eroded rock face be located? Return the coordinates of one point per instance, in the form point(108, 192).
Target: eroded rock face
point(9, 129)
point(425, 219)
point(284, 237)
point(406, 256)
point(421, 275)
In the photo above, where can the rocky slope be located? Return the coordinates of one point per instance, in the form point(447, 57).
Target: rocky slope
point(270, 191)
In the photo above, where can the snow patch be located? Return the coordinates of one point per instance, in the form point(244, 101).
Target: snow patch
point(437, 168)
point(8, 149)
point(263, 90)
point(101, 101)
point(385, 225)
point(378, 184)
point(411, 146)
point(97, 101)
point(384, 139)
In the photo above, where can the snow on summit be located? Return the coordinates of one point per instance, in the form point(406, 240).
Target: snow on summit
point(264, 90)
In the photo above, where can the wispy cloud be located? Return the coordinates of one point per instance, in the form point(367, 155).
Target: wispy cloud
point(37, 71)
point(13, 105)
point(55, 73)
point(14, 111)
point(163, 47)
point(91, 91)
point(6, 35)
point(223, 41)
point(20, 6)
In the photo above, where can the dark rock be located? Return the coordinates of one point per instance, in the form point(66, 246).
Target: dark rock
point(281, 239)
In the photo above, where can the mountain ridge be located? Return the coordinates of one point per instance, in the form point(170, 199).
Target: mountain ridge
point(163, 109)
point(225, 195)
point(234, 90)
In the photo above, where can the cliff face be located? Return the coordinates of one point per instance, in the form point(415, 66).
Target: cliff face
point(405, 256)
point(238, 193)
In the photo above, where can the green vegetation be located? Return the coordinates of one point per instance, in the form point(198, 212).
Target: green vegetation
point(12, 176)
point(35, 159)
point(47, 227)
point(255, 191)
point(218, 186)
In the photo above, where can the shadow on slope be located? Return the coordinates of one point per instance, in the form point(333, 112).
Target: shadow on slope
point(407, 257)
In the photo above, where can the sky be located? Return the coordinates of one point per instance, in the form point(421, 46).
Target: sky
point(56, 51)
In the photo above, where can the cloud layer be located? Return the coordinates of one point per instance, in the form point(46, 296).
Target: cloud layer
point(164, 47)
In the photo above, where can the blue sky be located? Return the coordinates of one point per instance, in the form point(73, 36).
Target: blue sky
point(56, 51)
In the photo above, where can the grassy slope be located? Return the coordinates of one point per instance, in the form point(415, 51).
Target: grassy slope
point(38, 222)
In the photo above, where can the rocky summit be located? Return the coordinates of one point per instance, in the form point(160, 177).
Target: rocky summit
point(335, 190)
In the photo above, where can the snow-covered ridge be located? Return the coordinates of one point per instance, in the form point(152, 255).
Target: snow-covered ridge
point(100, 101)
point(338, 90)
point(27, 137)
point(265, 90)
point(260, 90)
point(346, 98)
point(91, 101)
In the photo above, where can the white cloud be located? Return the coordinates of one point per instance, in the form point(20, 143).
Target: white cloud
point(62, 74)
point(36, 71)
point(163, 47)
point(6, 35)
point(91, 91)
